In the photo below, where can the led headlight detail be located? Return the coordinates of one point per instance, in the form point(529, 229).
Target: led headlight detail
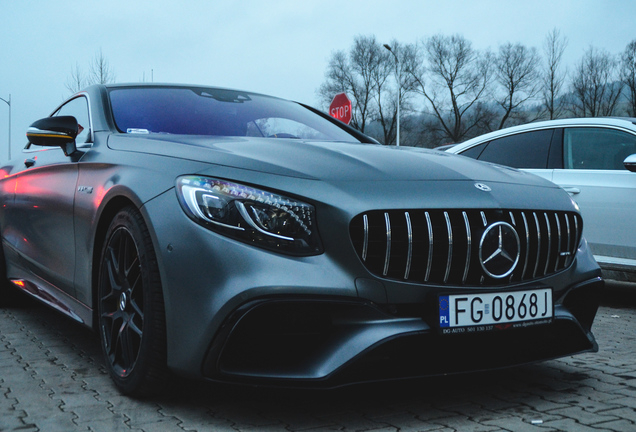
point(251, 215)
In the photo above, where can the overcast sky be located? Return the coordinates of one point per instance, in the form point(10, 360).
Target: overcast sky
point(277, 47)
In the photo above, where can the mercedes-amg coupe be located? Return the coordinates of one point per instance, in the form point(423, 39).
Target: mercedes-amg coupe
point(231, 236)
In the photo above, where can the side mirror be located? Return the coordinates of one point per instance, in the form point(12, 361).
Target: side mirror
point(53, 132)
point(630, 163)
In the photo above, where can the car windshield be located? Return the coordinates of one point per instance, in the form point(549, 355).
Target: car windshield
point(218, 112)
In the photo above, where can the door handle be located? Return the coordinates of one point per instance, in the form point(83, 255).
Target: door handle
point(572, 190)
point(29, 162)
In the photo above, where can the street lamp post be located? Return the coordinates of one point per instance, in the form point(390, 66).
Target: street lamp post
point(8, 102)
point(399, 80)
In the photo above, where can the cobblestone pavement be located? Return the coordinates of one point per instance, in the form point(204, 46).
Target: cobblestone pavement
point(52, 379)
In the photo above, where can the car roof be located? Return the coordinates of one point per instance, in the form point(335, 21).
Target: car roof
point(617, 122)
point(178, 85)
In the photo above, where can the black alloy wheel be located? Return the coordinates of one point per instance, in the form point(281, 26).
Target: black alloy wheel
point(131, 310)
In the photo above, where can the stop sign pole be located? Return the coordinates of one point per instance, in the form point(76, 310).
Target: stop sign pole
point(340, 108)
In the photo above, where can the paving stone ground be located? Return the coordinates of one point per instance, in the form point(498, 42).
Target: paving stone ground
point(52, 379)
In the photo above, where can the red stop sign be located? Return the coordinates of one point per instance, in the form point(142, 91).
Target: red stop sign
point(340, 108)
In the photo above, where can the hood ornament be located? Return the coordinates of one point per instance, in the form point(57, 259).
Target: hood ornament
point(483, 187)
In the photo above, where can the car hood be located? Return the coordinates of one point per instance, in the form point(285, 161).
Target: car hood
point(328, 161)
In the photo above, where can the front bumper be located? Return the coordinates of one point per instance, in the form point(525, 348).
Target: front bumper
point(327, 343)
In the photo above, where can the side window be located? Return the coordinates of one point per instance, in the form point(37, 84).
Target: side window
point(523, 150)
point(78, 108)
point(474, 152)
point(597, 148)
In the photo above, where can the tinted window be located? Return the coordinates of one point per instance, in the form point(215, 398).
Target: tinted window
point(597, 148)
point(77, 108)
point(208, 111)
point(474, 152)
point(524, 150)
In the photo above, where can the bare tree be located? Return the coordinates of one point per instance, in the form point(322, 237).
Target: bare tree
point(628, 75)
point(466, 91)
point(517, 73)
point(365, 75)
point(76, 81)
point(553, 75)
point(595, 85)
point(454, 79)
point(100, 70)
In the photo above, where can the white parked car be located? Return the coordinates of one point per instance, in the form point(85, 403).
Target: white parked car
point(591, 158)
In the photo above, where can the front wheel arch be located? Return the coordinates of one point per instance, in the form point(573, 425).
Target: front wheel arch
point(106, 217)
point(130, 312)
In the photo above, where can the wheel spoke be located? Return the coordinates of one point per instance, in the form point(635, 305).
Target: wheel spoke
point(134, 265)
point(126, 348)
point(137, 310)
point(112, 285)
point(109, 328)
point(112, 265)
point(122, 252)
point(133, 327)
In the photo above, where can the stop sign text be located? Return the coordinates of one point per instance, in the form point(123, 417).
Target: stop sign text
point(340, 108)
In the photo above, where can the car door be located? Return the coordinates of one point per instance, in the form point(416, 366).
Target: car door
point(41, 218)
point(594, 175)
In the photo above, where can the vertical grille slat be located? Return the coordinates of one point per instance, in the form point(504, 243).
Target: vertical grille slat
point(536, 262)
point(549, 240)
point(559, 242)
point(567, 225)
point(365, 244)
point(527, 255)
point(569, 232)
point(409, 254)
point(442, 247)
point(577, 236)
point(449, 260)
point(429, 261)
point(387, 257)
point(469, 243)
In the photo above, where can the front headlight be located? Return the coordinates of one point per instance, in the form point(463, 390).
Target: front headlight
point(251, 215)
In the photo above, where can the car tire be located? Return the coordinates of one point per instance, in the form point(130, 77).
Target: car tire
point(131, 316)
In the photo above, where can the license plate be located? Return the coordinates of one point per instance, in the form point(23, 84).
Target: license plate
point(494, 311)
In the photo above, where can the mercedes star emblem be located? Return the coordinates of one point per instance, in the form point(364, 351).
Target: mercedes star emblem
point(499, 250)
point(483, 187)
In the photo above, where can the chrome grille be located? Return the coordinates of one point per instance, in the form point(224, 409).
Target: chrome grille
point(442, 246)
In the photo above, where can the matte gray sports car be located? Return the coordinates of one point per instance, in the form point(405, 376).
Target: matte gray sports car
point(232, 236)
